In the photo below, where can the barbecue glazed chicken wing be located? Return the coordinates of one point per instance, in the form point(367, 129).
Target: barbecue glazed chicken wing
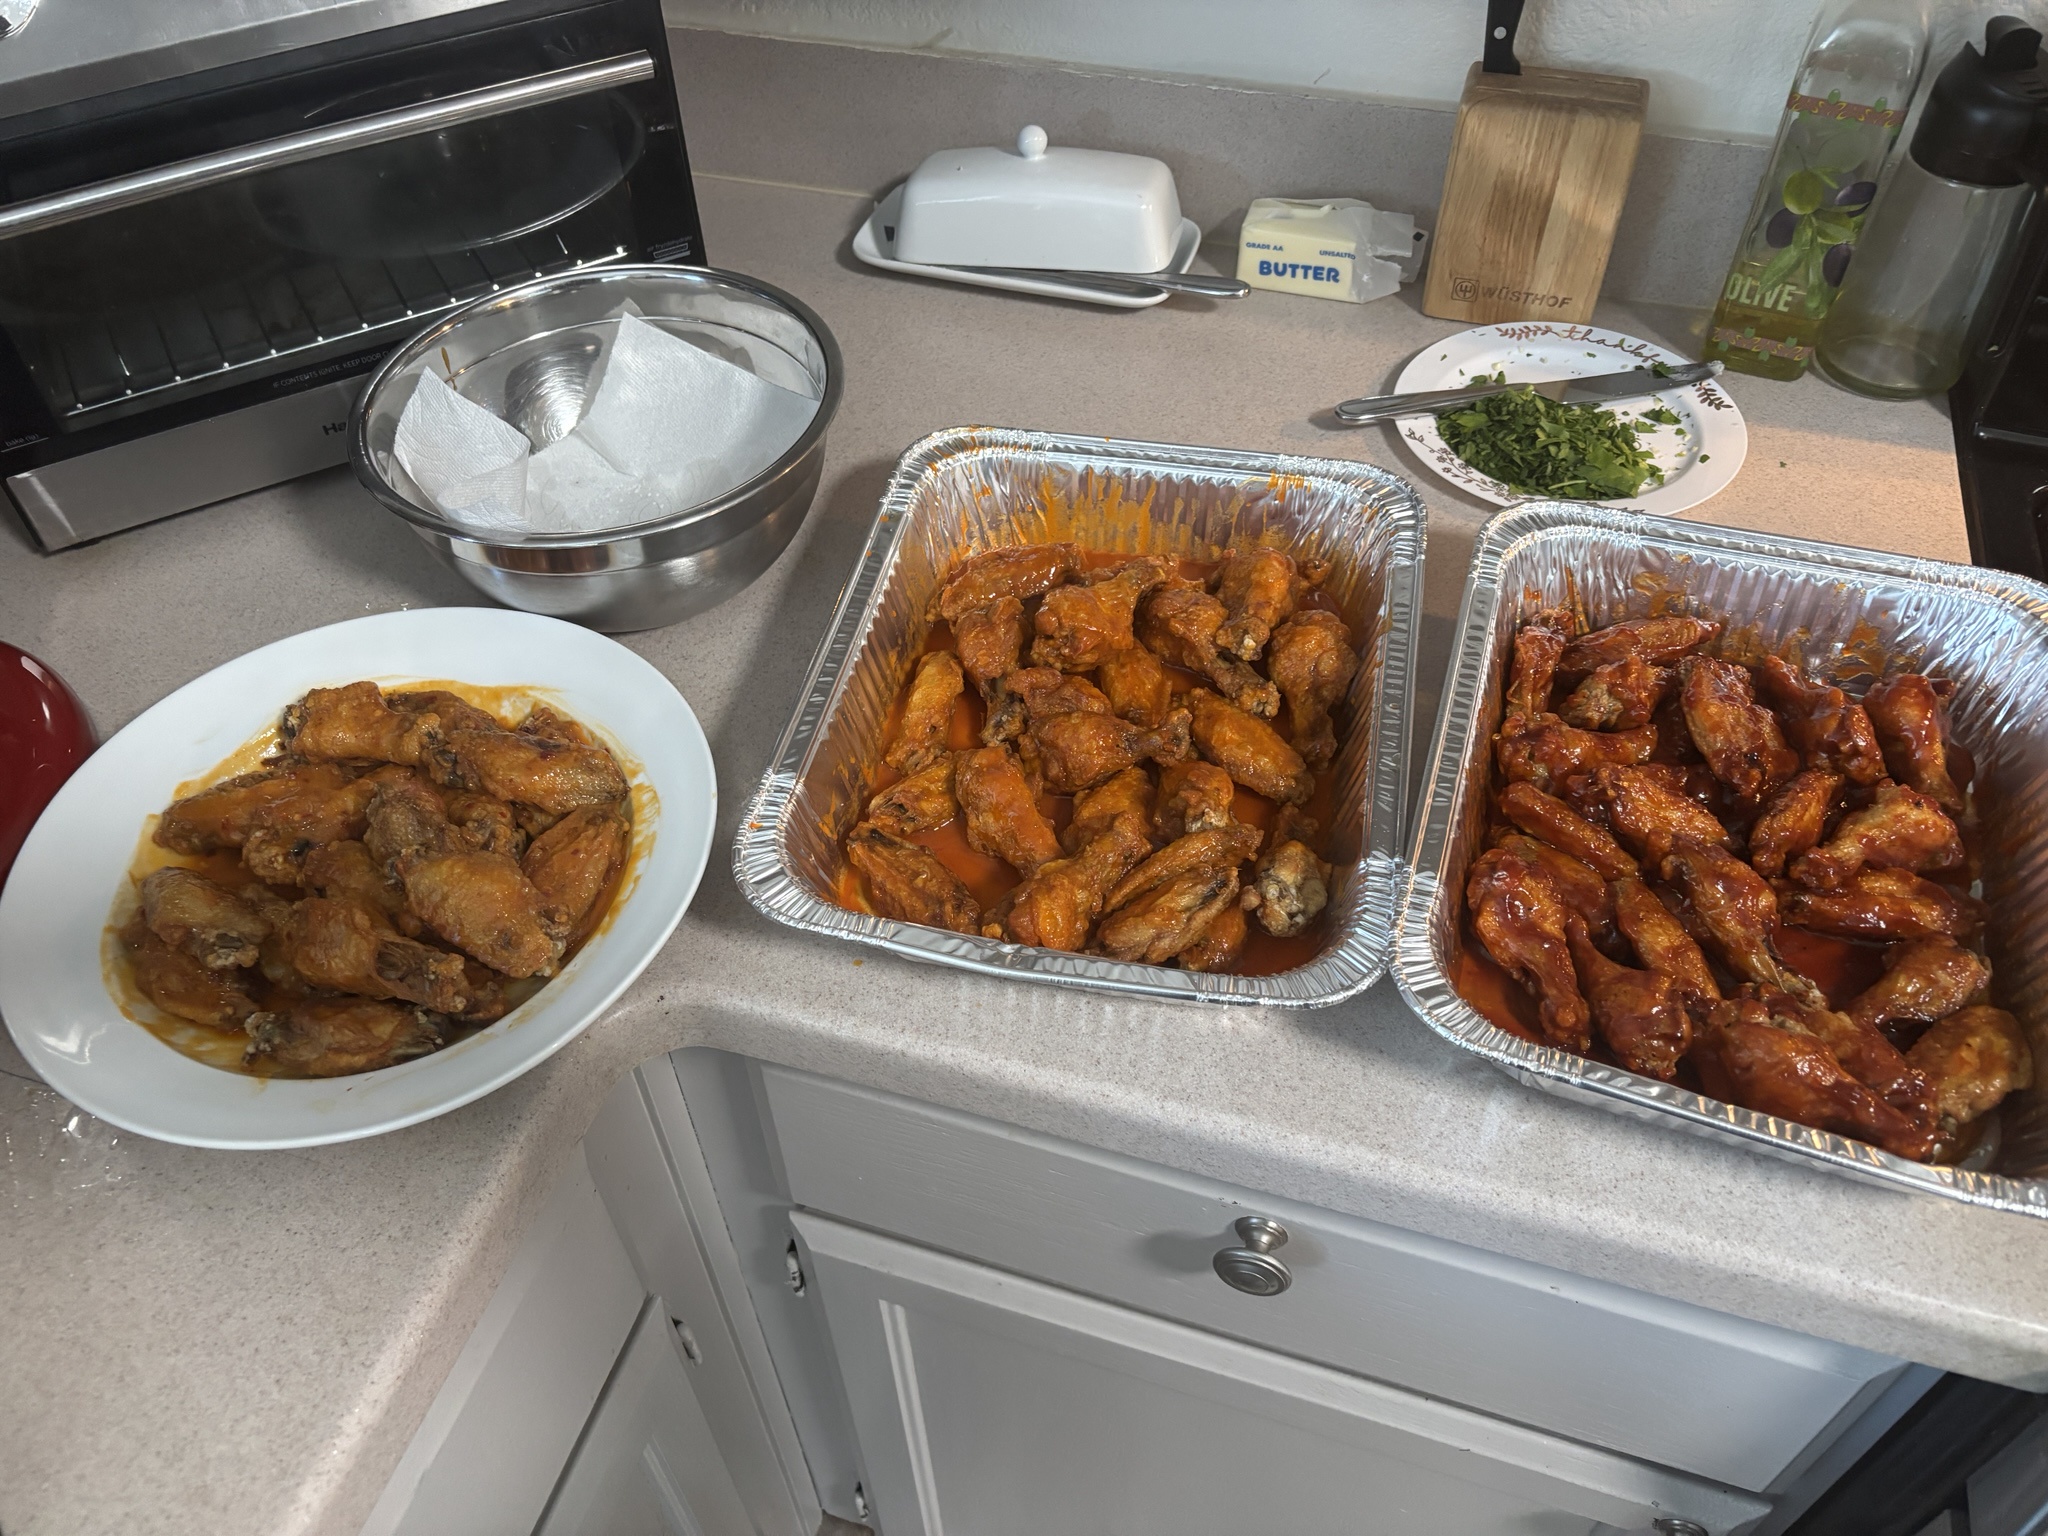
point(348, 948)
point(1911, 716)
point(1538, 645)
point(1548, 818)
point(1097, 809)
point(1900, 829)
point(1080, 750)
point(1520, 919)
point(1020, 571)
point(1738, 737)
point(908, 883)
point(1001, 811)
point(1542, 749)
point(1617, 696)
point(1738, 910)
point(1312, 664)
point(1659, 641)
point(454, 712)
point(1259, 588)
point(575, 865)
point(1869, 1057)
point(1056, 906)
point(1885, 904)
point(1794, 820)
point(1972, 1060)
point(479, 902)
point(1137, 685)
point(1178, 624)
point(1079, 626)
point(1660, 940)
point(1924, 981)
point(190, 913)
point(1829, 729)
point(1640, 1015)
point(1652, 817)
point(355, 723)
point(919, 803)
point(1775, 1068)
point(921, 737)
point(1249, 750)
point(1581, 886)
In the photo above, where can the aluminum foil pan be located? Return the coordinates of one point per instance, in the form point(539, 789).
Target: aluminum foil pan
point(969, 489)
point(1853, 613)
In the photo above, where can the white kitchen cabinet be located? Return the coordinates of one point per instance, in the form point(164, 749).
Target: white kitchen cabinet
point(1723, 1398)
point(991, 1405)
point(648, 1464)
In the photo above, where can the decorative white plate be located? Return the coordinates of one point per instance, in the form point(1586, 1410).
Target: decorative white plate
point(1699, 456)
point(875, 243)
point(55, 909)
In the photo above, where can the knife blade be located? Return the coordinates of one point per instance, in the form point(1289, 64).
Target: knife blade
point(1580, 391)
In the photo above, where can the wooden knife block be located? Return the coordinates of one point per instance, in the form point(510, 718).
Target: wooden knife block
point(1539, 169)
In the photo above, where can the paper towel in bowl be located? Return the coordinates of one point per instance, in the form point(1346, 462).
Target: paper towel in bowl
point(668, 427)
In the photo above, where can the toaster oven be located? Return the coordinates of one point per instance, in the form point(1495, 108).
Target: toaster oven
point(217, 216)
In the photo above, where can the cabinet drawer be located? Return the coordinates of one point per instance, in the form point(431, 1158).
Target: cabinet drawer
point(1736, 1401)
point(990, 1405)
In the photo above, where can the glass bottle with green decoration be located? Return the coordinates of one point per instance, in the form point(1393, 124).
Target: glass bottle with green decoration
point(1861, 66)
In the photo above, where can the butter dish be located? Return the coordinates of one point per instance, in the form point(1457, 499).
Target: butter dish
point(1039, 206)
point(875, 244)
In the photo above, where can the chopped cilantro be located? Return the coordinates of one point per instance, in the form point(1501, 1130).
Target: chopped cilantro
point(1661, 369)
point(1704, 457)
point(1539, 447)
point(1663, 415)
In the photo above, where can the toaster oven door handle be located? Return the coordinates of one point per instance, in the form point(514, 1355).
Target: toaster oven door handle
point(314, 143)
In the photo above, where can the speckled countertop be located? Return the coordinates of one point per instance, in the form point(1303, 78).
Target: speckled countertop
point(226, 1343)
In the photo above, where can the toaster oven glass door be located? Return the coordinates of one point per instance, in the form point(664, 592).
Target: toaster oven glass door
point(269, 259)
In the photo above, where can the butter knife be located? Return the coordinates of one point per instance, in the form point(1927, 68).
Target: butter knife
point(1124, 282)
point(1582, 391)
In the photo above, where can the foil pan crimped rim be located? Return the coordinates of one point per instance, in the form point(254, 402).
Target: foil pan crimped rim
point(1430, 902)
point(763, 863)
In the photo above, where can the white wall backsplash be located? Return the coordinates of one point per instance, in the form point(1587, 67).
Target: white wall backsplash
point(1718, 69)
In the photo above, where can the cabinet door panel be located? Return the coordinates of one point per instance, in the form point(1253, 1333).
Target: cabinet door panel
point(990, 1405)
point(1719, 1396)
point(647, 1464)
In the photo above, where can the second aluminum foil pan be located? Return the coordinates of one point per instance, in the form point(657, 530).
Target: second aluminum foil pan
point(1852, 614)
point(970, 489)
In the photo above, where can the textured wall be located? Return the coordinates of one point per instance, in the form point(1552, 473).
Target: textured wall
point(1717, 69)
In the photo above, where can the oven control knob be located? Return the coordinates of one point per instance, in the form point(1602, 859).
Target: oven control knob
point(1252, 1267)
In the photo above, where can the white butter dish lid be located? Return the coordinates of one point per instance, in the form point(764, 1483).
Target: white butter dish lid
point(1039, 206)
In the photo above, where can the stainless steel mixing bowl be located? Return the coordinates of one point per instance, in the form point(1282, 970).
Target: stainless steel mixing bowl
point(527, 354)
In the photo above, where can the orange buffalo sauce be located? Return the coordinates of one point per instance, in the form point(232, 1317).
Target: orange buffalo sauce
point(988, 879)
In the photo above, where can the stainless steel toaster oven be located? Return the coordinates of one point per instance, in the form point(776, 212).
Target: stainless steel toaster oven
point(216, 216)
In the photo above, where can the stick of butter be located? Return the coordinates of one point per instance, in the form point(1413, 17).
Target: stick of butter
point(1330, 248)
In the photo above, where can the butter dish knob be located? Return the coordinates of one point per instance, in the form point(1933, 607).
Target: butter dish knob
point(1031, 142)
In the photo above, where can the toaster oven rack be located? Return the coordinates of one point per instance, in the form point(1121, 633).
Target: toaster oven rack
point(102, 367)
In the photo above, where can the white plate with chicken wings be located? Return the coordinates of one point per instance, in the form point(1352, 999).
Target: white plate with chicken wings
point(60, 988)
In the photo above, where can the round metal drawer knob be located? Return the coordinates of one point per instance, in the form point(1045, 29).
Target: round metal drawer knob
point(1252, 1268)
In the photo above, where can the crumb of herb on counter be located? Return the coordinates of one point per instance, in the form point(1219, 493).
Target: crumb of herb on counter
point(1781, 463)
point(1538, 447)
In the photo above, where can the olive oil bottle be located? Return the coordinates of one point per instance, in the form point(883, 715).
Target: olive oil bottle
point(1862, 64)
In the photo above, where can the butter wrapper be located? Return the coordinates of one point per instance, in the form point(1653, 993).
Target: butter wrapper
point(1327, 248)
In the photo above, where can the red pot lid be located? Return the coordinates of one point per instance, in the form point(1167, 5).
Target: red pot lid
point(44, 736)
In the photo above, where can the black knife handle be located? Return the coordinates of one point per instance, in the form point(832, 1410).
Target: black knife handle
point(1502, 18)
